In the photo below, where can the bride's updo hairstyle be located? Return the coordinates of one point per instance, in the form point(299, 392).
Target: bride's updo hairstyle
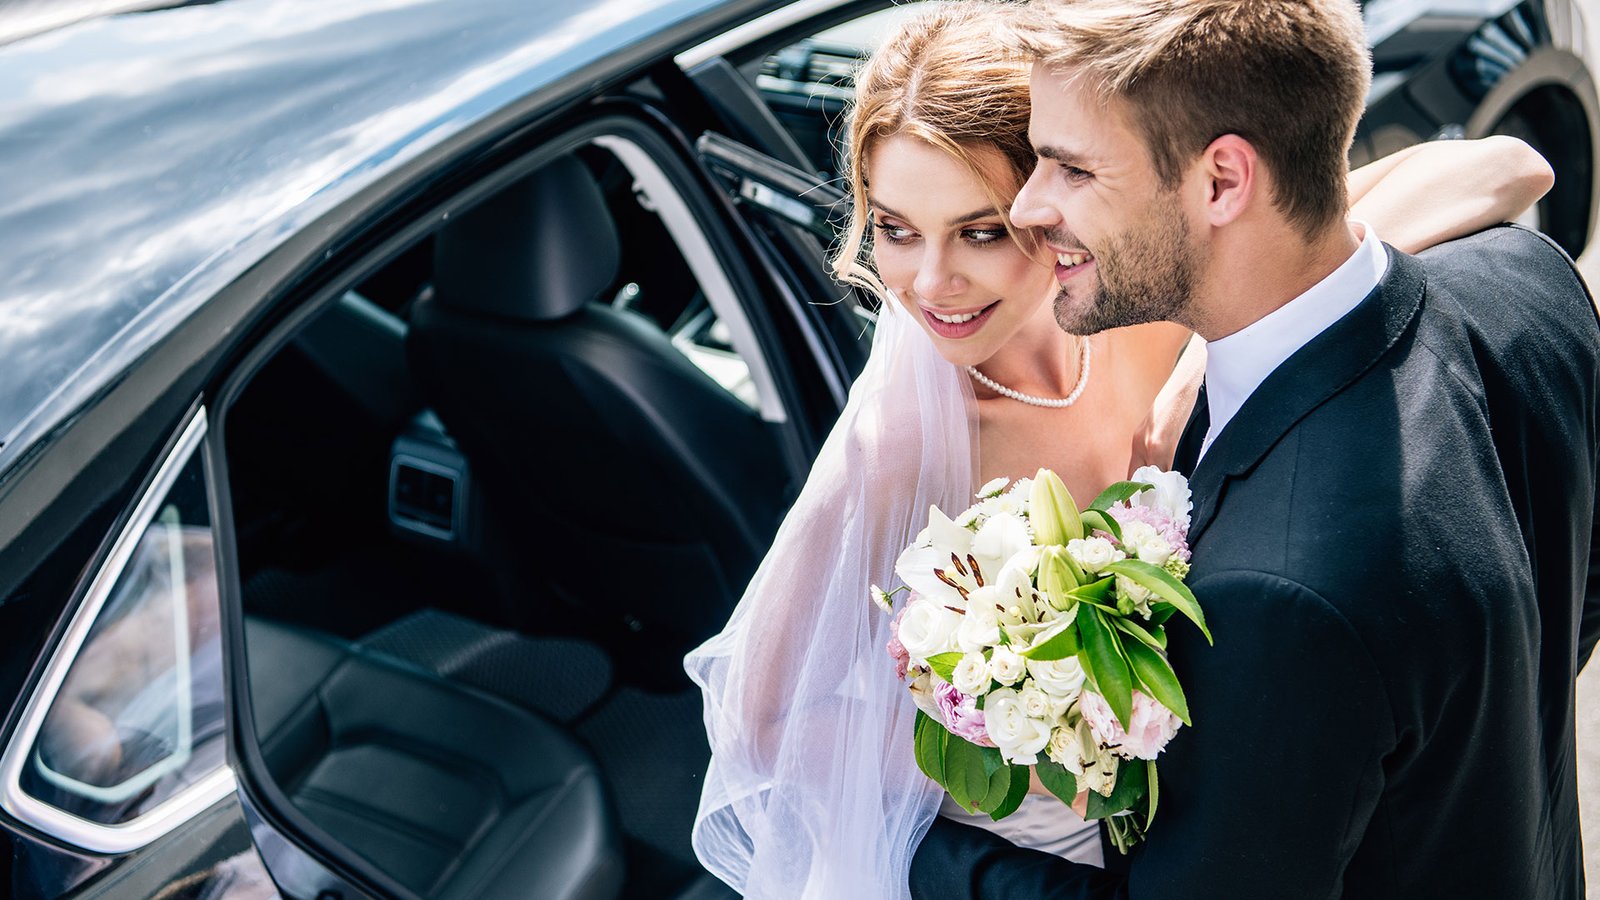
point(945, 78)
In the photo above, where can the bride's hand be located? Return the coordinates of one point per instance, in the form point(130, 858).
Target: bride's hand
point(1156, 439)
point(1080, 803)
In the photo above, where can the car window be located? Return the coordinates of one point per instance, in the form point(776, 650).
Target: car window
point(809, 83)
point(669, 275)
point(136, 718)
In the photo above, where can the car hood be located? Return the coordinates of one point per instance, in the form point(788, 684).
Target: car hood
point(149, 159)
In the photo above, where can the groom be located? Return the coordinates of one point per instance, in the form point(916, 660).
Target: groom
point(1394, 466)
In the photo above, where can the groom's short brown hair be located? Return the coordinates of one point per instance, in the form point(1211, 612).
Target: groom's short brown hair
point(1289, 76)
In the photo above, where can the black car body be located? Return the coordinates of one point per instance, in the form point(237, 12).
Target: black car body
point(305, 308)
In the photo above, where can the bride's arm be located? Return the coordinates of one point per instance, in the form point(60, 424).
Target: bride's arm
point(1430, 193)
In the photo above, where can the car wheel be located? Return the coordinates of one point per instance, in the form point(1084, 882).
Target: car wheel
point(1553, 123)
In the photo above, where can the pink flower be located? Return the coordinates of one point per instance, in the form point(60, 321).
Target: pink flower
point(1157, 519)
point(897, 650)
point(1151, 725)
point(962, 717)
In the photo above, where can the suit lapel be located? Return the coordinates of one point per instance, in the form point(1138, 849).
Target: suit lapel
point(1326, 365)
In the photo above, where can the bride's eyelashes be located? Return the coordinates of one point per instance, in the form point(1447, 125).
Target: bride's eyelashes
point(894, 234)
point(978, 236)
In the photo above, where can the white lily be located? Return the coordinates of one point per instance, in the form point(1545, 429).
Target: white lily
point(953, 561)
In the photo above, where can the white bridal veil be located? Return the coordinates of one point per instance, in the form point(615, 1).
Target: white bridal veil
point(813, 790)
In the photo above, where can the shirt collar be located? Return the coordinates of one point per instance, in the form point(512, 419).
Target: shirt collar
point(1237, 364)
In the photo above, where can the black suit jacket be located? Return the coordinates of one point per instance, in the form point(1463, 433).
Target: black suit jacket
point(1393, 545)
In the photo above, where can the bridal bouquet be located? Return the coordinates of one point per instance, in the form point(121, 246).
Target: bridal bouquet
point(1034, 635)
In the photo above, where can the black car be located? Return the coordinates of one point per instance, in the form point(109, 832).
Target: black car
point(392, 391)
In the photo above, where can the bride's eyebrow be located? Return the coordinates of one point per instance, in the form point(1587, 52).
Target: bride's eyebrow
point(984, 213)
point(885, 210)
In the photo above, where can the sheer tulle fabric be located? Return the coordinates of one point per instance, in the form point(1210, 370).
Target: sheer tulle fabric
point(813, 790)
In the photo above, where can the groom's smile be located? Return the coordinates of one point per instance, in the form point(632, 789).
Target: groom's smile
point(1071, 263)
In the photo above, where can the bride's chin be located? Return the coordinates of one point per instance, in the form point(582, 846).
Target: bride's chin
point(961, 357)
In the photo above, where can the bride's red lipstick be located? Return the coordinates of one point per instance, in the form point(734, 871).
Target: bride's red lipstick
point(958, 330)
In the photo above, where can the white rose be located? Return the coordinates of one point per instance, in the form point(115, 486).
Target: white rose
point(1019, 737)
point(1171, 493)
point(1060, 677)
point(1006, 666)
point(1135, 533)
point(1065, 751)
point(1035, 702)
point(1154, 550)
point(980, 627)
point(971, 676)
point(927, 629)
point(1094, 553)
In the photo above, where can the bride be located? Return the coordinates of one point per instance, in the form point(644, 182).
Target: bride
point(812, 789)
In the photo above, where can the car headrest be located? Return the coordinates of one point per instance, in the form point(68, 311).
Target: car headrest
point(538, 250)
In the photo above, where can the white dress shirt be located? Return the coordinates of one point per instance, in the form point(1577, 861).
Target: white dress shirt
point(1237, 364)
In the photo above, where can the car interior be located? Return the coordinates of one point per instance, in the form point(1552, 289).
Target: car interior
point(483, 504)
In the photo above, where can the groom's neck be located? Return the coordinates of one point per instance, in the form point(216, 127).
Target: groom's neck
point(1255, 268)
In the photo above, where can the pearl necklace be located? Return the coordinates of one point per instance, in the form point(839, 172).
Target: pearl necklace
point(1063, 403)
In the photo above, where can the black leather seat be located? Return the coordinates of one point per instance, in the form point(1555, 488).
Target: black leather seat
point(603, 448)
point(452, 792)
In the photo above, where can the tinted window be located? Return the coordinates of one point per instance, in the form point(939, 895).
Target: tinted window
point(138, 716)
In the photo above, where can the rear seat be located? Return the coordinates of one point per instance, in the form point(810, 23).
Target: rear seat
point(450, 791)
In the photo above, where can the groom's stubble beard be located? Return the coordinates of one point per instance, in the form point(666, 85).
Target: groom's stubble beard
point(1147, 273)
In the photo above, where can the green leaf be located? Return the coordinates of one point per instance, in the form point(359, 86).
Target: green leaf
point(967, 772)
point(1159, 614)
point(1052, 512)
point(1094, 519)
point(1155, 794)
point(1160, 582)
point(1014, 797)
point(1057, 780)
point(1095, 591)
point(1156, 677)
point(1129, 789)
point(944, 665)
point(999, 785)
point(1103, 654)
point(1062, 644)
point(929, 738)
point(1130, 627)
point(1117, 493)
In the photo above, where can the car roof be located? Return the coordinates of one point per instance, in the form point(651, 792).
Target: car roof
point(149, 159)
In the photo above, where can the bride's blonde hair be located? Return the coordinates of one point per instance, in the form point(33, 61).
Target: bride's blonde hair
point(944, 77)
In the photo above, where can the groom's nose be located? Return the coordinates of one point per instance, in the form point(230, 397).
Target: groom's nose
point(1031, 208)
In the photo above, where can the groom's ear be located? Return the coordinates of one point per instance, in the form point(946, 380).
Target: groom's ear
point(1231, 170)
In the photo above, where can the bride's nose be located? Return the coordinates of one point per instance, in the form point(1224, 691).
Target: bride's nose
point(936, 277)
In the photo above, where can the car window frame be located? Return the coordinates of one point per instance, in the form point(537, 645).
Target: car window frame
point(302, 858)
point(208, 788)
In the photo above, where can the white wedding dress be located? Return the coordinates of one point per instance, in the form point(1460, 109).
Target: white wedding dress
point(813, 790)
